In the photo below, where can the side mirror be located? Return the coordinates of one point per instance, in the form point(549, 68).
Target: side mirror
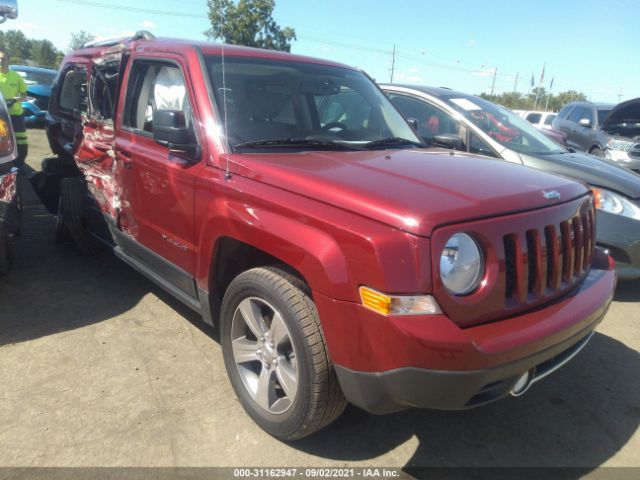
point(413, 122)
point(8, 10)
point(170, 129)
point(585, 122)
point(449, 140)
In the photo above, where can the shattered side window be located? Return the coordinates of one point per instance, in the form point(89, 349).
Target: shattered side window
point(103, 92)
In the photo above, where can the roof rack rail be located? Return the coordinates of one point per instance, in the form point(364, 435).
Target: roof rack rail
point(139, 35)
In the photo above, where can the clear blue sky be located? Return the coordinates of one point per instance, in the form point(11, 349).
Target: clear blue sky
point(587, 45)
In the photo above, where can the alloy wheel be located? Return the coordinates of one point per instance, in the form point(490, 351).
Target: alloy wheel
point(264, 355)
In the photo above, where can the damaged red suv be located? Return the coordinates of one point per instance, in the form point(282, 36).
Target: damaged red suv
point(286, 200)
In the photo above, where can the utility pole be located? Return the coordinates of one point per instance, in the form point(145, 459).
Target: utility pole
point(393, 61)
point(620, 95)
point(515, 84)
point(535, 105)
point(546, 105)
point(493, 86)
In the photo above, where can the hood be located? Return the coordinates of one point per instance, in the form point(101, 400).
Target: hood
point(624, 119)
point(39, 90)
point(412, 190)
point(594, 171)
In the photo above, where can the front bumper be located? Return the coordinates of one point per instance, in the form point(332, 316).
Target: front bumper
point(389, 392)
point(621, 236)
point(387, 364)
point(623, 159)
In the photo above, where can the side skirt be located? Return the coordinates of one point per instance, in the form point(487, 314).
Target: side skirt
point(163, 273)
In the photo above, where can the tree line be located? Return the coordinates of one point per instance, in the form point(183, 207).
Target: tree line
point(545, 100)
point(41, 53)
point(29, 51)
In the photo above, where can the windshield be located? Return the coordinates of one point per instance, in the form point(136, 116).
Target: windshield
point(504, 126)
point(280, 105)
point(38, 78)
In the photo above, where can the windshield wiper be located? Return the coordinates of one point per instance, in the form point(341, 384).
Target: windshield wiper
point(294, 143)
point(392, 142)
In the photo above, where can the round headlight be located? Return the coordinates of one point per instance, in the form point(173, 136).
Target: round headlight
point(461, 264)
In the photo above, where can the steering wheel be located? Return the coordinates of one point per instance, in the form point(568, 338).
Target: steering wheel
point(332, 125)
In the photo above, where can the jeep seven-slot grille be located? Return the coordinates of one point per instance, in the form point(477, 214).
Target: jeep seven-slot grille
point(542, 262)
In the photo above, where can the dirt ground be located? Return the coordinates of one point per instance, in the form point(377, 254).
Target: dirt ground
point(98, 367)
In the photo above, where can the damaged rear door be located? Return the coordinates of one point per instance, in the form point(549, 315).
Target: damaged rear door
point(95, 155)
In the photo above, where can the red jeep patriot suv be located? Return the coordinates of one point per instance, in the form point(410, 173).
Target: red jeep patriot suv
point(286, 200)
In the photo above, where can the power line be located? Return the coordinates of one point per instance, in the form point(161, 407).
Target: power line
point(406, 57)
point(345, 45)
point(152, 11)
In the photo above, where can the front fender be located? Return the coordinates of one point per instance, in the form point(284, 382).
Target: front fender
point(334, 250)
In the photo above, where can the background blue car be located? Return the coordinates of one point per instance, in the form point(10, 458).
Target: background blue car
point(39, 81)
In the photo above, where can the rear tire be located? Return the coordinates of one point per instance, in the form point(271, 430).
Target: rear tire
point(73, 218)
point(275, 354)
point(596, 151)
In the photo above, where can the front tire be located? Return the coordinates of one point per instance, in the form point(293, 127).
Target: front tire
point(276, 356)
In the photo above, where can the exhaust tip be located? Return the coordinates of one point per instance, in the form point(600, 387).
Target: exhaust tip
point(522, 384)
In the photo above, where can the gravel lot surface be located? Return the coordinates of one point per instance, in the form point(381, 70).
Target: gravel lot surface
point(98, 367)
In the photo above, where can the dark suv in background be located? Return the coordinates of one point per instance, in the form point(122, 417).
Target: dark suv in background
point(603, 130)
point(581, 122)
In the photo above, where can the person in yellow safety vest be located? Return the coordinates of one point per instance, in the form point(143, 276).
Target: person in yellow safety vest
point(14, 91)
